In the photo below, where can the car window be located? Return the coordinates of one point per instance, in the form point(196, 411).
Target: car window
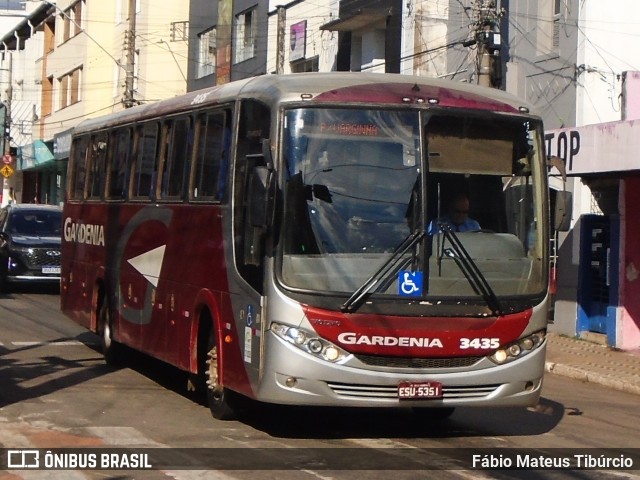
point(36, 223)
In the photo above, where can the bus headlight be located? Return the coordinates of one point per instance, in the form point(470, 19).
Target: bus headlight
point(518, 349)
point(309, 342)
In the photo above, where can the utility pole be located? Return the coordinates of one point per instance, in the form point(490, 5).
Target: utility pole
point(7, 169)
point(486, 37)
point(7, 104)
point(130, 48)
point(282, 17)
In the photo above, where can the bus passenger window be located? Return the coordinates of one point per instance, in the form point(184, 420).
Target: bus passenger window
point(176, 155)
point(145, 162)
point(119, 165)
point(78, 168)
point(96, 166)
point(212, 157)
point(211, 160)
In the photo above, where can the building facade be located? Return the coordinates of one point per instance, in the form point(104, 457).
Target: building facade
point(573, 60)
point(79, 59)
point(576, 64)
point(228, 41)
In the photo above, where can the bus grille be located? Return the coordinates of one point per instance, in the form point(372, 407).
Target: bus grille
point(400, 362)
point(391, 392)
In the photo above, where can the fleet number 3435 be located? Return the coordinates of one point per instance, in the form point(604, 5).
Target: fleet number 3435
point(479, 343)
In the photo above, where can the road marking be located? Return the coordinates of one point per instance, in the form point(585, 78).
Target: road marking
point(55, 343)
point(125, 437)
point(27, 435)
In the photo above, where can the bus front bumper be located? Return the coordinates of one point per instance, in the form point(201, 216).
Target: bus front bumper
point(293, 377)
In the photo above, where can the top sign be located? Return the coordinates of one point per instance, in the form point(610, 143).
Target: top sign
point(7, 159)
point(596, 149)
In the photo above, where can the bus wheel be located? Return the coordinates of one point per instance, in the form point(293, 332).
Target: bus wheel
point(219, 398)
point(111, 350)
point(433, 414)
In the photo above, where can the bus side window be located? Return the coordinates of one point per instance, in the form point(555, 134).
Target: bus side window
point(144, 165)
point(254, 126)
point(175, 153)
point(210, 163)
point(96, 166)
point(119, 164)
point(78, 168)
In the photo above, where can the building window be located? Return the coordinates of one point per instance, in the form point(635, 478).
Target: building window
point(71, 19)
point(180, 31)
point(69, 88)
point(245, 35)
point(548, 22)
point(555, 40)
point(207, 53)
point(305, 65)
point(47, 96)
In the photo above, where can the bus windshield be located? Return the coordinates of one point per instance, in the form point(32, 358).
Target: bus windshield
point(358, 183)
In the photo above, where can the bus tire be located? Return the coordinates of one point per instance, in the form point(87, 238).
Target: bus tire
point(111, 350)
point(221, 400)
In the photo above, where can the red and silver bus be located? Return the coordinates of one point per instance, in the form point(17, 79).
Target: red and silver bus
point(285, 238)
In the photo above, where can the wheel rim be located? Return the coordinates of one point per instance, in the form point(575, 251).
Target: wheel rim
point(213, 380)
point(106, 331)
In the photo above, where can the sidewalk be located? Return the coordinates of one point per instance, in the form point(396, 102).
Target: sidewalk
point(592, 362)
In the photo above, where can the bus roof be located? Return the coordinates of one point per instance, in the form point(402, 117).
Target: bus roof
point(343, 88)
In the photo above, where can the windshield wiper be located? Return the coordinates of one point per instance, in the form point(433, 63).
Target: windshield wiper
point(356, 299)
point(474, 276)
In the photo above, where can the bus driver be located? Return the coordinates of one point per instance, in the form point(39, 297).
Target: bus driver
point(457, 217)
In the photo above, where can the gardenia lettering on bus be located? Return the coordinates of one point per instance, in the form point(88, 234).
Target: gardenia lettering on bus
point(350, 338)
point(83, 233)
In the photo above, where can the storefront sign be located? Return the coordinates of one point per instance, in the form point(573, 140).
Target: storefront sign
point(600, 148)
point(298, 40)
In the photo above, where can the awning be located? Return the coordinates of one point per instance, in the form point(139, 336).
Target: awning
point(356, 20)
point(36, 156)
point(26, 27)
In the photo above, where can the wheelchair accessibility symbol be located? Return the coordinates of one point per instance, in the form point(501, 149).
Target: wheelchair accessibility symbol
point(409, 283)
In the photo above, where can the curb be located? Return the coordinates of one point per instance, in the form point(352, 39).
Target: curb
point(591, 377)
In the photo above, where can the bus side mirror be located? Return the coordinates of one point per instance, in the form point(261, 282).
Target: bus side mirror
point(261, 197)
point(562, 211)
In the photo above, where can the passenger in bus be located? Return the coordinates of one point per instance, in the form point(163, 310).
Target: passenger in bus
point(457, 217)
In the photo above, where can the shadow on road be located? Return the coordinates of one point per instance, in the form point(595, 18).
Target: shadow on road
point(34, 375)
point(286, 421)
point(39, 288)
point(339, 423)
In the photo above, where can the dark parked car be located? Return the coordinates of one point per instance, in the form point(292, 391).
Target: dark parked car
point(30, 238)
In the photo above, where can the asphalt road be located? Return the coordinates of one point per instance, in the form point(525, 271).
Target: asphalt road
point(56, 392)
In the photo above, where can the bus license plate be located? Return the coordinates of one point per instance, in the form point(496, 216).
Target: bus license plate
point(419, 390)
point(55, 270)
